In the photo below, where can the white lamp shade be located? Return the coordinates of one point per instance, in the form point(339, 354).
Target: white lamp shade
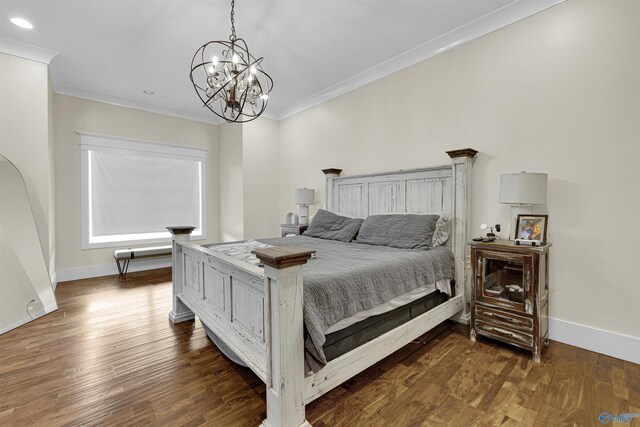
point(304, 196)
point(523, 188)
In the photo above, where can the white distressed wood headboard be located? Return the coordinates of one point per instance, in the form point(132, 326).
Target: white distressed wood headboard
point(418, 191)
point(438, 189)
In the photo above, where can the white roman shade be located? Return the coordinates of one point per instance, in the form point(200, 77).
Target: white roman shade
point(133, 189)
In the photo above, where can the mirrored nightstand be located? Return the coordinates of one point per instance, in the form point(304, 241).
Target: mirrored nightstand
point(510, 294)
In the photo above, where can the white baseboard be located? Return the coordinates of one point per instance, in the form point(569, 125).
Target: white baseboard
point(75, 273)
point(48, 309)
point(610, 343)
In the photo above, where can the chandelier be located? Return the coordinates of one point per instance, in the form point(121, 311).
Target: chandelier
point(229, 80)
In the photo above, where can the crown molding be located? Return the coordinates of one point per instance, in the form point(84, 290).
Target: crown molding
point(500, 18)
point(26, 51)
point(78, 92)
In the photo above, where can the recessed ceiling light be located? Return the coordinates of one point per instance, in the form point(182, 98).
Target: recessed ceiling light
point(22, 23)
point(148, 92)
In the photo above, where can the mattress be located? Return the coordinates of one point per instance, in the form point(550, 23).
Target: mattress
point(353, 336)
point(399, 301)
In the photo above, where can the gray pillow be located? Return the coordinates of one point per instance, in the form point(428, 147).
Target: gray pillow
point(404, 231)
point(327, 225)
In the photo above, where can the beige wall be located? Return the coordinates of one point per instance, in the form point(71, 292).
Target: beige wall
point(75, 114)
point(231, 182)
point(248, 180)
point(260, 185)
point(24, 138)
point(557, 93)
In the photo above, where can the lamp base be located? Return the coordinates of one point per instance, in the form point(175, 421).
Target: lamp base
point(303, 214)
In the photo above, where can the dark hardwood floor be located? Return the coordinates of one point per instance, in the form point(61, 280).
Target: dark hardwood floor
point(110, 356)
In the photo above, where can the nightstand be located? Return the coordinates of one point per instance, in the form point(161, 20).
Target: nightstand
point(292, 229)
point(510, 294)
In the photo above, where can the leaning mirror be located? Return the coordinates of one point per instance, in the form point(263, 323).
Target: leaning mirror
point(25, 286)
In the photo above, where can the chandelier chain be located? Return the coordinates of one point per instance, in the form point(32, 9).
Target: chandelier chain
point(233, 27)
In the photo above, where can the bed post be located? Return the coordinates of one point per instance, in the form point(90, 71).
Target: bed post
point(329, 174)
point(462, 164)
point(284, 334)
point(180, 312)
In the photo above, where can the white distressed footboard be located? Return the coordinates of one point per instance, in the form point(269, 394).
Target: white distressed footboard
point(227, 297)
point(256, 312)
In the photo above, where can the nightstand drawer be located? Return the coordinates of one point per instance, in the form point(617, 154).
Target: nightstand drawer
point(504, 333)
point(500, 318)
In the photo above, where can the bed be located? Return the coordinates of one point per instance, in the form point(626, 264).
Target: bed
point(256, 310)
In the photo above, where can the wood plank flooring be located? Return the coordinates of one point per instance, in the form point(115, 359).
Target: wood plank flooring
point(109, 356)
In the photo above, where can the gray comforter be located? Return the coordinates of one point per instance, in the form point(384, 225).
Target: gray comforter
point(346, 278)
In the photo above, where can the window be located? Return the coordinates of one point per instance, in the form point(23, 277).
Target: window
point(132, 190)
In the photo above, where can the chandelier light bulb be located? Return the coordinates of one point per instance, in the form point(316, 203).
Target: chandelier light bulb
point(214, 61)
point(235, 59)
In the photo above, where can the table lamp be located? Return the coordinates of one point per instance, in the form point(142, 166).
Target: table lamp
point(521, 191)
point(303, 197)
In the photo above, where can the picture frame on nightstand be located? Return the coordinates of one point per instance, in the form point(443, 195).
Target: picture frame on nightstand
point(531, 229)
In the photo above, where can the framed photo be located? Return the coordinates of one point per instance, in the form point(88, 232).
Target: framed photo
point(532, 227)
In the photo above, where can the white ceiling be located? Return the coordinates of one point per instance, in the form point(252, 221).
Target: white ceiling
point(113, 50)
